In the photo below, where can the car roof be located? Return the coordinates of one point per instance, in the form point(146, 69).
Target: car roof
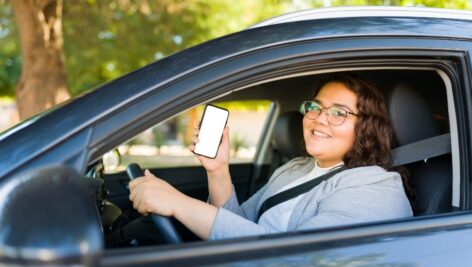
point(366, 11)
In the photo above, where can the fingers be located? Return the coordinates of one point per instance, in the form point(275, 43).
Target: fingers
point(194, 142)
point(148, 194)
point(132, 184)
point(195, 136)
point(137, 195)
point(139, 191)
point(194, 139)
point(136, 181)
point(226, 133)
point(135, 184)
point(225, 138)
point(133, 197)
point(136, 203)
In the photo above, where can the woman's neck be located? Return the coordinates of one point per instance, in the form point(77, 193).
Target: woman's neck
point(327, 165)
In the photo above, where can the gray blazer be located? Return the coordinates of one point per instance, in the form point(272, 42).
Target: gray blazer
point(355, 195)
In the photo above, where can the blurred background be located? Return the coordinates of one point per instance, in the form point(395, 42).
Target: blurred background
point(52, 50)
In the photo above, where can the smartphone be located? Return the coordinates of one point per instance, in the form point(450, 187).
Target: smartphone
point(212, 124)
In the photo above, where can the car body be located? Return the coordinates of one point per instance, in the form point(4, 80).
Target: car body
point(278, 60)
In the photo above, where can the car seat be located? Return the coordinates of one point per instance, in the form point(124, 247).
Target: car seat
point(288, 137)
point(287, 143)
point(431, 174)
point(413, 122)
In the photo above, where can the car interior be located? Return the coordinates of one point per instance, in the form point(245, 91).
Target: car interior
point(420, 111)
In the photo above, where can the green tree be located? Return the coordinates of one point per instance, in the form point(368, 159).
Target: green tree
point(43, 80)
point(10, 57)
point(108, 38)
point(105, 39)
point(158, 138)
point(237, 142)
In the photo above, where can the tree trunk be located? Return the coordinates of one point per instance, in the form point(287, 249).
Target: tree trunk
point(43, 81)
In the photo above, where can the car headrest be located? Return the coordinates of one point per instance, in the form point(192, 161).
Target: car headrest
point(412, 119)
point(288, 134)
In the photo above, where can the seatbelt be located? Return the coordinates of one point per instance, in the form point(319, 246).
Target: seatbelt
point(296, 191)
point(420, 150)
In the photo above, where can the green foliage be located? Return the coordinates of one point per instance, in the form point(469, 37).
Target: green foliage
point(158, 139)
point(10, 59)
point(108, 38)
point(105, 39)
point(238, 142)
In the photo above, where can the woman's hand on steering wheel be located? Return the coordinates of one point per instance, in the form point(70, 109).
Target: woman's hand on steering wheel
point(144, 203)
point(151, 194)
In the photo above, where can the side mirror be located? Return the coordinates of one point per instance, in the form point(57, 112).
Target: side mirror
point(47, 217)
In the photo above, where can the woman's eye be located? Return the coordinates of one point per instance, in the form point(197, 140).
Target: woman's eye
point(314, 107)
point(338, 112)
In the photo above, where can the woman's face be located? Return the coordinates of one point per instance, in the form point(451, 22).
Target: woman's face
point(325, 142)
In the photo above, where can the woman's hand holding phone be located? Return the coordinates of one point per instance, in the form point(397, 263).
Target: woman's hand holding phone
point(211, 144)
point(221, 161)
point(219, 179)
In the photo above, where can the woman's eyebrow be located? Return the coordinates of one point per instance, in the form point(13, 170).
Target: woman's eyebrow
point(342, 106)
point(339, 105)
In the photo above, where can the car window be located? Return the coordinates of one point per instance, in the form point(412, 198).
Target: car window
point(166, 144)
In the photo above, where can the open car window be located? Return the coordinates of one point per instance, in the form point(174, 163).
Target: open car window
point(164, 147)
point(166, 144)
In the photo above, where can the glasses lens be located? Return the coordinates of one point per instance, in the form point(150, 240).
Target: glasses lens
point(336, 115)
point(310, 109)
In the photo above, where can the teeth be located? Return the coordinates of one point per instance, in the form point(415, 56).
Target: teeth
point(320, 134)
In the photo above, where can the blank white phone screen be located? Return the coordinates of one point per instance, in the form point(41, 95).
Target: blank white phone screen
point(211, 130)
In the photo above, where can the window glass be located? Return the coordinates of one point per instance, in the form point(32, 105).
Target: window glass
point(166, 144)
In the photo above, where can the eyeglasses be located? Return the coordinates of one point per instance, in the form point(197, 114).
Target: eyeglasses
point(335, 115)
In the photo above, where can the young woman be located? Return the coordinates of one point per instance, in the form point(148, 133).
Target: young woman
point(346, 130)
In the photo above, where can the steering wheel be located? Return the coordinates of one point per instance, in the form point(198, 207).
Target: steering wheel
point(163, 224)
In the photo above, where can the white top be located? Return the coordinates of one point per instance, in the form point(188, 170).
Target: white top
point(277, 217)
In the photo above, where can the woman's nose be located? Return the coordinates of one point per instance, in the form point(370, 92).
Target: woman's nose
point(322, 118)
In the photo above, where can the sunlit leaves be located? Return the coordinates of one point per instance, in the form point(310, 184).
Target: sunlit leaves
point(10, 60)
point(108, 38)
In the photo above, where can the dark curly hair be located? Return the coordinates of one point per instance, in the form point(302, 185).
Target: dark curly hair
point(373, 130)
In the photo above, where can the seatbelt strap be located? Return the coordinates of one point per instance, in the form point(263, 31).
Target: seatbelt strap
point(422, 150)
point(296, 191)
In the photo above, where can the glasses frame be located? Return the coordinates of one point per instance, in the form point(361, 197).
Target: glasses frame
point(303, 111)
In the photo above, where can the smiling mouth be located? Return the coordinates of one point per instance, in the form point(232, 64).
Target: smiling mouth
point(319, 134)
